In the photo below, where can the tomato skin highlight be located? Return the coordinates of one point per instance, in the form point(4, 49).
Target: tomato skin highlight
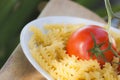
point(80, 42)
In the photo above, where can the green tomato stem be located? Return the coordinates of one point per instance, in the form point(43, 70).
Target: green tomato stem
point(98, 53)
point(109, 12)
point(110, 15)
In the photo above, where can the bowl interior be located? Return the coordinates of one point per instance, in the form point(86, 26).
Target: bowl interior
point(26, 34)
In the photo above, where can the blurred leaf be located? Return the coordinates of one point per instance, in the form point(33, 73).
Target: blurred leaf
point(89, 3)
point(5, 10)
point(102, 11)
point(20, 13)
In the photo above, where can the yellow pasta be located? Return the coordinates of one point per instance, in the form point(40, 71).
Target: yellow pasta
point(49, 52)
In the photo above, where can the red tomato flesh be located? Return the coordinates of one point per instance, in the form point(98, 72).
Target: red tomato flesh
point(81, 41)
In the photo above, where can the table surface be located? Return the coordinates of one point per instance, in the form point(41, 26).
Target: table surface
point(17, 66)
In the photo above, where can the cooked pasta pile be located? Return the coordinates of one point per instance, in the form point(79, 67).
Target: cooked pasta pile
point(48, 49)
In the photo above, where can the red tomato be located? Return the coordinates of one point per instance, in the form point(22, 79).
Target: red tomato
point(81, 42)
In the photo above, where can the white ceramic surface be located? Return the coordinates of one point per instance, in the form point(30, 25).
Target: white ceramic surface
point(26, 34)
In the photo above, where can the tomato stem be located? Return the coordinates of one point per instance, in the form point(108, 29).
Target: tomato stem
point(109, 12)
point(110, 15)
point(114, 52)
point(96, 51)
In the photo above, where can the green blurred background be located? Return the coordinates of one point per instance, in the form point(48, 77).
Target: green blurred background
point(14, 14)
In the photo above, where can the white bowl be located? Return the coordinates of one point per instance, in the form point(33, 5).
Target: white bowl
point(26, 34)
